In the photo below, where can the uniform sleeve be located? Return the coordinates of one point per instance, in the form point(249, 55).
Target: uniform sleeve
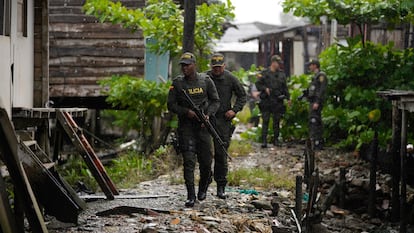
point(213, 97)
point(323, 83)
point(172, 101)
point(260, 84)
point(285, 87)
point(241, 96)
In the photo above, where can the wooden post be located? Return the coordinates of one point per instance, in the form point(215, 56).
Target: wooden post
point(298, 197)
point(45, 51)
point(373, 177)
point(58, 140)
point(395, 170)
point(189, 25)
point(403, 193)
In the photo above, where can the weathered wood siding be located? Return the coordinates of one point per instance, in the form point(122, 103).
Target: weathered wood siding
point(41, 73)
point(83, 51)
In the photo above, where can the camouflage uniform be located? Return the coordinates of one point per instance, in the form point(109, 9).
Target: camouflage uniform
point(226, 85)
point(273, 104)
point(194, 140)
point(316, 94)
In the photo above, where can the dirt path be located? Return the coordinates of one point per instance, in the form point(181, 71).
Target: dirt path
point(244, 210)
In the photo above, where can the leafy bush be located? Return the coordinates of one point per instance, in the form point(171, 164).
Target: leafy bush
point(355, 73)
point(294, 124)
point(143, 102)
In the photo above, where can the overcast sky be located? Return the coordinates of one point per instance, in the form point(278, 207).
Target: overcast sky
point(266, 11)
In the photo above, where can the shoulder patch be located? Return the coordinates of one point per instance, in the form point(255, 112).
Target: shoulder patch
point(259, 75)
point(321, 78)
point(171, 87)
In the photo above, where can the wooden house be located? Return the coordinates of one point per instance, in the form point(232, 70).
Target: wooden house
point(83, 51)
point(17, 29)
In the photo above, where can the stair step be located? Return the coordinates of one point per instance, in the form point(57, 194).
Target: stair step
point(48, 166)
point(30, 143)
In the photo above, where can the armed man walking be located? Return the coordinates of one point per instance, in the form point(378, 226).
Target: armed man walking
point(273, 91)
point(227, 85)
point(316, 98)
point(194, 139)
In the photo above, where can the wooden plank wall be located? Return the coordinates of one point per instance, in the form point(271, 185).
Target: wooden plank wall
point(83, 51)
point(41, 74)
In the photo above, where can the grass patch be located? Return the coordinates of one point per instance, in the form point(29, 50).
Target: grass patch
point(260, 178)
point(125, 171)
point(240, 148)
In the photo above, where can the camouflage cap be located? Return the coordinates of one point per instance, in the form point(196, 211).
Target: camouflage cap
point(276, 58)
point(313, 62)
point(187, 58)
point(217, 59)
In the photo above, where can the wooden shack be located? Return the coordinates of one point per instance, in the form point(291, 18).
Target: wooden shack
point(83, 51)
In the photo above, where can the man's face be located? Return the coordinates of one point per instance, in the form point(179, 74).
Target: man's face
point(218, 70)
point(188, 69)
point(312, 67)
point(275, 65)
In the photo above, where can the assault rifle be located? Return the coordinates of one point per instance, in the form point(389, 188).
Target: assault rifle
point(202, 117)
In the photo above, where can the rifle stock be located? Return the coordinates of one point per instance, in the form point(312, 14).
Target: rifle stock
point(202, 117)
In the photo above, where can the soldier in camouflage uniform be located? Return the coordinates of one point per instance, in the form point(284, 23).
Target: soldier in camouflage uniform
point(226, 85)
point(273, 89)
point(316, 98)
point(194, 138)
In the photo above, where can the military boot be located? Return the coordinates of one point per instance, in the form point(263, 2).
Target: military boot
point(190, 196)
point(202, 192)
point(264, 141)
point(202, 189)
point(220, 191)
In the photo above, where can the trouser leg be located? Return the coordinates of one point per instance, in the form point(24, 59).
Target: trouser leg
point(265, 126)
point(220, 158)
point(316, 127)
point(276, 127)
point(189, 161)
point(204, 160)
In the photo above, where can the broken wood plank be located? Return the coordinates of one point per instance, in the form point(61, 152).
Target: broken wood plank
point(128, 210)
point(57, 197)
point(87, 153)
point(96, 197)
point(9, 151)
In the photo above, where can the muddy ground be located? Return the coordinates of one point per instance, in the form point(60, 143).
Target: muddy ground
point(247, 209)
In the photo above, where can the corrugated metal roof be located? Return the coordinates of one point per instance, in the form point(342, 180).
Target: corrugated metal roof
point(231, 40)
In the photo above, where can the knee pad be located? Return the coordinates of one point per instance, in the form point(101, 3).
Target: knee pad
point(188, 144)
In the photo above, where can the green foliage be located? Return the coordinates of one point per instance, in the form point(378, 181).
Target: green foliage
point(260, 177)
point(125, 171)
point(355, 73)
point(295, 121)
point(130, 169)
point(239, 148)
point(163, 20)
point(353, 11)
point(75, 170)
point(142, 100)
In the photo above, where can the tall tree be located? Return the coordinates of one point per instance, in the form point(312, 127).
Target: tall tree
point(356, 12)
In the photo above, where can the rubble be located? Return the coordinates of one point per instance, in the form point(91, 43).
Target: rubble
point(246, 209)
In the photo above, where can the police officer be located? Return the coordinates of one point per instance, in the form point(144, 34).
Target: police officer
point(273, 89)
point(227, 85)
point(194, 139)
point(316, 97)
